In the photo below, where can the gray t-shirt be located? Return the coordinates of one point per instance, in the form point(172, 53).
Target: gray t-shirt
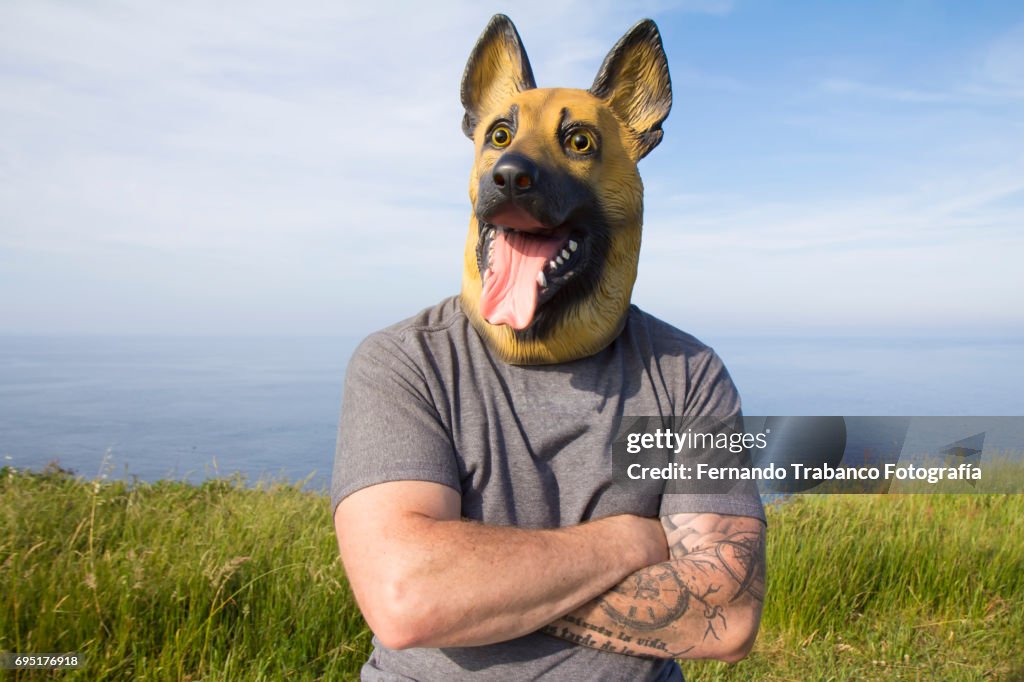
point(526, 446)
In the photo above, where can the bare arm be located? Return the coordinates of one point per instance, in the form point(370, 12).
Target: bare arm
point(424, 577)
point(705, 602)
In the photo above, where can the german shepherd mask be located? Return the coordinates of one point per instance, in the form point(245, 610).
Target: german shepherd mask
point(554, 239)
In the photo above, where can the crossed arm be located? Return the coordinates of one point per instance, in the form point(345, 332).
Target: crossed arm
point(704, 602)
point(425, 578)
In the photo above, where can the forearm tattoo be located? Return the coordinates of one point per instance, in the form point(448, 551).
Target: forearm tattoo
point(713, 566)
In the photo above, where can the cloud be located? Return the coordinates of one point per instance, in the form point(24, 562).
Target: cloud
point(1002, 67)
point(995, 71)
point(845, 86)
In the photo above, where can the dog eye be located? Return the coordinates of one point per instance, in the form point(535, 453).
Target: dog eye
point(501, 137)
point(580, 141)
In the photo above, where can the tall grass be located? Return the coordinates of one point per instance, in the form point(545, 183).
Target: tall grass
point(170, 581)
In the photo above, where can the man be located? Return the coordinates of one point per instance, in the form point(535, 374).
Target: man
point(477, 516)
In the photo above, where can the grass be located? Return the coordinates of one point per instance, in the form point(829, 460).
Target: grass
point(170, 581)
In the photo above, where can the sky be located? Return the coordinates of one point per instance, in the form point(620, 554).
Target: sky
point(299, 168)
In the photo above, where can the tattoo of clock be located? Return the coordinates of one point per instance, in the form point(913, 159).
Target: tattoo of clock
point(649, 599)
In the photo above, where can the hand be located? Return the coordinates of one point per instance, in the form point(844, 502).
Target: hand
point(649, 537)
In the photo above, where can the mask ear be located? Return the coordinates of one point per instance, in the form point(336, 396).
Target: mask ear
point(497, 69)
point(634, 82)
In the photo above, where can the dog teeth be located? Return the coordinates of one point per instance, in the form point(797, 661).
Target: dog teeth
point(565, 254)
point(540, 279)
point(553, 265)
point(560, 261)
point(572, 246)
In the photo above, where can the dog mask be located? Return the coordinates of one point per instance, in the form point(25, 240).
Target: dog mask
point(554, 239)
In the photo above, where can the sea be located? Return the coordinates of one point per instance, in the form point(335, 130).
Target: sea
point(266, 408)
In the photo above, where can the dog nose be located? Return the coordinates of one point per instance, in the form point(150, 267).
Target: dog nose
point(515, 174)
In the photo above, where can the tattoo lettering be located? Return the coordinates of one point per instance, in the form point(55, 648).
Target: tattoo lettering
point(589, 626)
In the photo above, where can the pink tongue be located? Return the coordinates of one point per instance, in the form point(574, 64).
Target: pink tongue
point(510, 285)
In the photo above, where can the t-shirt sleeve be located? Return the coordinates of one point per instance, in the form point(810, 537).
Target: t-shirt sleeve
point(712, 393)
point(389, 429)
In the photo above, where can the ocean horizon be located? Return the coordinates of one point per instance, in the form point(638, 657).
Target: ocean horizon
point(187, 408)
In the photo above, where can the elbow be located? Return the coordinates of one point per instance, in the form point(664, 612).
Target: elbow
point(736, 653)
point(394, 633)
point(396, 636)
point(740, 642)
point(396, 611)
point(729, 645)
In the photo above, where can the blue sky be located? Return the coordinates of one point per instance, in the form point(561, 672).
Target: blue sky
point(264, 168)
